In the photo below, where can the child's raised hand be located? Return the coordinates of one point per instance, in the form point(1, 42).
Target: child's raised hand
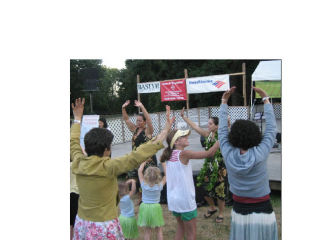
point(169, 121)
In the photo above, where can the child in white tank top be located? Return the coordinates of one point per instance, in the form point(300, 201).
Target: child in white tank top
point(180, 186)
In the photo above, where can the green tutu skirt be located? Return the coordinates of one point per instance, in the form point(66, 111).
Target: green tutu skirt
point(150, 215)
point(129, 226)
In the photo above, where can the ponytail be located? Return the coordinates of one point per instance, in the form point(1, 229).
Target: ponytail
point(166, 154)
point(168, 151)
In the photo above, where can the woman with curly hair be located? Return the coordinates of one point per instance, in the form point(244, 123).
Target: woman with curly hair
point(246, 152)
point(213, 174)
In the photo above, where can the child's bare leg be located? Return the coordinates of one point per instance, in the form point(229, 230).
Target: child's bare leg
point(180, 229)
point(191, 228)
point(159, 233)
point(147, 233)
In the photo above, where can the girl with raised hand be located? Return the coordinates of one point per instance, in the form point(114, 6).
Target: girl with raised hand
point(127, 219)
point(96, 176)
point(245, 152)
point(150, 212)
point(180, 185)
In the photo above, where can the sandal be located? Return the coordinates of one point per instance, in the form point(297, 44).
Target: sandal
point(210, 213)
point(219, 219)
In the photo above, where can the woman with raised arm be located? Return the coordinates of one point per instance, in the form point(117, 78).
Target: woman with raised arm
point(97, 173)
point(142, 132)
point(213, 173)
point(246, 152)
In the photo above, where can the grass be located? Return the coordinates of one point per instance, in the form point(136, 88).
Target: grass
point(208, 228)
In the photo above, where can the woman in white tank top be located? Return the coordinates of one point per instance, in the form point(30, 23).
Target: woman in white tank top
point(180, 186)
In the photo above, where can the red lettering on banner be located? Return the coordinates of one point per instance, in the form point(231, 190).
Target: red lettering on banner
point(173, 90)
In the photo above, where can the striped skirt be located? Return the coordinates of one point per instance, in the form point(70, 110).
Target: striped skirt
point(253, 221)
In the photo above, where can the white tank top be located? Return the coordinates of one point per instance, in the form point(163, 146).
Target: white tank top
point(180, 186)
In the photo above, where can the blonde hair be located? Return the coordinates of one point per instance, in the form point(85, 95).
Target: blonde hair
point(152, 176)
point(123, 188)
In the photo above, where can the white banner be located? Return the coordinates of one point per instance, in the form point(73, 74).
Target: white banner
point(215, 83)
point(148, 87)
point(88, 122)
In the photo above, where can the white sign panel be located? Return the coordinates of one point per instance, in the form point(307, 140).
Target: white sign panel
point(87, 123)
point(148, 87)
point(215, 83)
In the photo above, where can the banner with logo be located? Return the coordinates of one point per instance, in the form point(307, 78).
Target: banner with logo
point(148, 87)
point(88, 122)
point(173, 90)
point(215, 83)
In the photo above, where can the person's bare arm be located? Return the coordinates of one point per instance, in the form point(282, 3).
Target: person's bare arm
point(75, 148)
point(140, 170)
point(163, 134)
point(149, 130)
point(125, 116)
point(164, 167)
point(164, 180)
point(133, 187)
point(186, 155)
point(198, 129)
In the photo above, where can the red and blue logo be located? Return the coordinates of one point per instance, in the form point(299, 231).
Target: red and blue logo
point(218, 84)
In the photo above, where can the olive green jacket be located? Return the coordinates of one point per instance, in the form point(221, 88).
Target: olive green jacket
point(97, 177)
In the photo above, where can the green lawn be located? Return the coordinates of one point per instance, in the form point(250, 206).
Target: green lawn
point(207, 228)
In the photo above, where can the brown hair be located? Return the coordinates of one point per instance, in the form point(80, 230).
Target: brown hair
point(152, 176)
point(168, 151)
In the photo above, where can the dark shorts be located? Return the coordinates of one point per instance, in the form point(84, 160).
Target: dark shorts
point(73, 207)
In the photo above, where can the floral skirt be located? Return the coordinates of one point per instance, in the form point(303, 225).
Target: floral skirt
point(219, 189)
point(88, 230)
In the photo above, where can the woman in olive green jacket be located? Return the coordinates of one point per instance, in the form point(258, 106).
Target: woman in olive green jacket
point(96, 176)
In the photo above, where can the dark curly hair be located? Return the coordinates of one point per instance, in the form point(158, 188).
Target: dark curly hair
point(97, 140)
point(244, 134)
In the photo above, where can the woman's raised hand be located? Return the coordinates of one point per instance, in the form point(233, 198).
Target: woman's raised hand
point(138, 103)
point(227, 94)
point(260, 91)
point(77, 108)
point(126, 104)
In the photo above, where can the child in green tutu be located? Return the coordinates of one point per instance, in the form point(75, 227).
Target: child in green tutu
point(150, 211)
point(127, 219)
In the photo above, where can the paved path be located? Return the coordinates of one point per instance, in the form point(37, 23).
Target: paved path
point(273, 163)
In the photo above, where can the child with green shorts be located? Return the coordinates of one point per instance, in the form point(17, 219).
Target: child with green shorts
point(180, 185)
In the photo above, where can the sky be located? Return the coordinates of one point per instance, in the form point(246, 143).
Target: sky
point(118, 63)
